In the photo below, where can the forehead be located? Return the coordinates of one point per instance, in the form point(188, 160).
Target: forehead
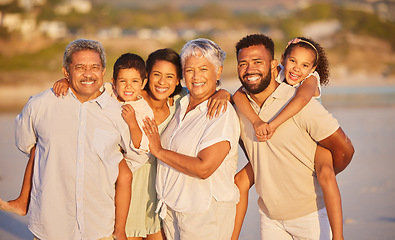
point(253, 52)
point(85, 57)
point(129, 72)
point(303, 52)
point(197, 60)
point(163, 64)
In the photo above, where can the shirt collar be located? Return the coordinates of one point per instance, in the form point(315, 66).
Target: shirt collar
point(283, 91)
point(201, 107)
point(101, 100)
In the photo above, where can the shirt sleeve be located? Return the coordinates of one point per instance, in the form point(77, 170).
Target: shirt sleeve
point(25, 136)
point(135, 158)
point(317, 121)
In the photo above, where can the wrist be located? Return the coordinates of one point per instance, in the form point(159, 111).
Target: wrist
point(256, 119)
point(119, 229)
point(160, 153)
point(272, 126)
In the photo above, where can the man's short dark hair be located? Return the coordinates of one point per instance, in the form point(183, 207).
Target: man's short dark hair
point(256, 40)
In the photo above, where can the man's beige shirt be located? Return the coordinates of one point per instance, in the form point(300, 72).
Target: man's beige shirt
point(283, 166)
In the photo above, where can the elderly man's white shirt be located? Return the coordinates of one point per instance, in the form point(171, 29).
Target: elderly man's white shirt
point(189, 134)
point(76, 163)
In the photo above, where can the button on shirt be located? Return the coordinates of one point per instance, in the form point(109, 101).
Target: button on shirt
point(189, 134)
point(76, 163)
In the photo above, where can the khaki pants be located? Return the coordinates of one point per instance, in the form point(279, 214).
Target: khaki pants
point(215, 224)
point(314, 226)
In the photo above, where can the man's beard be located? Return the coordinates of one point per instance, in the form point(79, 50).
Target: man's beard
point(262, 85)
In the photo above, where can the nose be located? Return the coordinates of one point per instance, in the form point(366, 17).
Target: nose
point(161, 80)
point(296, 68)
point(250, 68)
point(87, 73)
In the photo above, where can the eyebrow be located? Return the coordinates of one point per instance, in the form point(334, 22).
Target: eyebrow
point(254, 59)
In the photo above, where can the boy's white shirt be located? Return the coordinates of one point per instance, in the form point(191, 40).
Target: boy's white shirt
point(142, 110)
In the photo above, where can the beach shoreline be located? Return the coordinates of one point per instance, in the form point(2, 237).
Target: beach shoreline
point(13, 96)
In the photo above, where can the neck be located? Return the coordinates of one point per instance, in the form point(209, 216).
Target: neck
point(152, 102)
point(193, 102)
point(261, 97)
point(83, 98)
point(159, 107)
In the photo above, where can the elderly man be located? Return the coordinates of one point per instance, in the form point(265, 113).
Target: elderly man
point(291, 203)
point(78, 164)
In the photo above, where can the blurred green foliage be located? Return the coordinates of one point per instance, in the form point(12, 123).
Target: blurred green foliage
point(357, 22)
point(47, 59)
point(218, 17)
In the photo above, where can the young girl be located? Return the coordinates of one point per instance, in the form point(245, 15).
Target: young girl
point(304, 66)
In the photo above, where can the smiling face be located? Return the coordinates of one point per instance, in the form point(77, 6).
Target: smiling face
point(163, 79)
point(200, 77)
point(298, 64)
point(86, 74)
point(254, 68)
point(128, 84)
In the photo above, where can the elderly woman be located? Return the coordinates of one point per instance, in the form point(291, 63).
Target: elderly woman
point(197, 157)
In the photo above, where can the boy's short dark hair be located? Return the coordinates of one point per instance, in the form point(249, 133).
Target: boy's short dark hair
point(129, 60)
point(256, 40)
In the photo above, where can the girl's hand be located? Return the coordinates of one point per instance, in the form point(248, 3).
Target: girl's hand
point(262, 130)
point(60, 87)
point(217, 102)
point(272, 128)
point(119, 235)
point(151, 130)
point(128, 114)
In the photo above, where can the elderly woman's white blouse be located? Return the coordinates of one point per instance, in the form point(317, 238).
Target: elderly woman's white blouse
point(189, 134)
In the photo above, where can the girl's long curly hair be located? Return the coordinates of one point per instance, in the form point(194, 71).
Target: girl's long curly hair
point(321, 61)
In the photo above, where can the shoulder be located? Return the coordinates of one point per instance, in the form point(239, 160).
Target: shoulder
point(316, 120)
point(45, 96)
point(312, 108)
point(229, 115)
point(112, 103)
point(142, 107)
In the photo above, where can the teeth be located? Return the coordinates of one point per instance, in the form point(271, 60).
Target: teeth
point(87, 83)
point(293, 75)
point(253, 78)
point(161, 89)
point(198, 84)
point(128, 93)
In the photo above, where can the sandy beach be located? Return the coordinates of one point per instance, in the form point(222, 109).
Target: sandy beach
point(367, 185)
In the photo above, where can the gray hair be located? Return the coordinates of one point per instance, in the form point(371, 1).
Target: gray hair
point(83, 45)
point(210, 50)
